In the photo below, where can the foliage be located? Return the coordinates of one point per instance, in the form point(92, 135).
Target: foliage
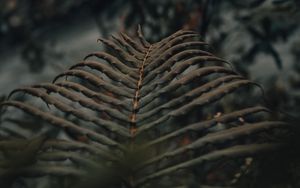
point(148, 114)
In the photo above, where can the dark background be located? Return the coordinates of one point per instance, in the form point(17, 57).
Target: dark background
point(261, 38)
point(39, 38)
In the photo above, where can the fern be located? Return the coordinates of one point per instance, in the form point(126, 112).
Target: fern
point(143, 113)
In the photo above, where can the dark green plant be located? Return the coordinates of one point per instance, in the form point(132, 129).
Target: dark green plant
point(163, 114)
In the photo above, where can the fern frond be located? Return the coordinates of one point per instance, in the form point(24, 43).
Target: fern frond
point(142, 112)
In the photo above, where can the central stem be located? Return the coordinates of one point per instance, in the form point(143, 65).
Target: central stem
point(133, 126)
point(133, 117)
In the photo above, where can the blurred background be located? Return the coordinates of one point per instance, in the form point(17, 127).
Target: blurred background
point(40, 38)
point(261, 38)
